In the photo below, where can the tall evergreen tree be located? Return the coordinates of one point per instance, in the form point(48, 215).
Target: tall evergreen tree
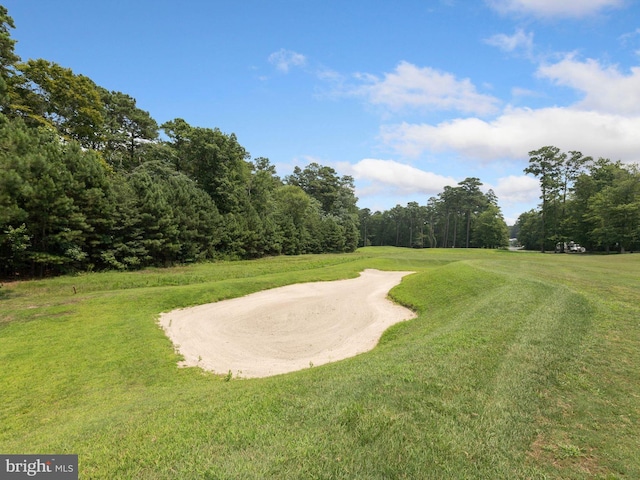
point(8, 58)
point(126, 128)
point(336, 196)
point(546, 163)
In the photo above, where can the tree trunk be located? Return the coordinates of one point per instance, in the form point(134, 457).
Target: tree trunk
point(455, 231)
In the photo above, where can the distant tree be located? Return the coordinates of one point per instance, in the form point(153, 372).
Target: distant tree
point(572, 167)
point(491, 197)
point(292, 207)
point(431, 211)
point(262, 185)
point(614, 211)
point(451, 201)
point(546, 163)
point(91, 189)
point(414, 220)
point(529, 225)
point(213, 159)
point(126, 127)
point(56, 191)
point(8, 58)
point(54, 96)
point(179, 221)
point(14, 245)
point(123, 248)
point(336, 196)
point(364, 215)
point(262, 234)
point(472, 202)
point(320, 182)
point(332, 235)
point(397, 216)
point(376, 227)
point(491, 231)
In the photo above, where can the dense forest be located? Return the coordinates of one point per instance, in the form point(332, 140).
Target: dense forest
point(89, 181)
point(461, 216)
point(595, 203)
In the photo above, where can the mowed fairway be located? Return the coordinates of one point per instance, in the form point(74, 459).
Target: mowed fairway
point(519, 365)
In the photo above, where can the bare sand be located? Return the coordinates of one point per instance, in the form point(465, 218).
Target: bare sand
point(288, 328)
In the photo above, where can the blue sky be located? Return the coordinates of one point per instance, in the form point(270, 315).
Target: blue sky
point(406, 96)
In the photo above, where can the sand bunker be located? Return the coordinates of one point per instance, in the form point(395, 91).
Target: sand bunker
point(287, 328)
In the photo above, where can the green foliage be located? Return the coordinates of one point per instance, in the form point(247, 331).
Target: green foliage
point(216, 161)
point(65, 209)
point(450, 220)
point(490, 229)
point(176, 221)
point(8, 57)
point(338, 227)
point(52, 95)
point(86, 184)
point(529, 229)
point(125, 127)
point(321, 183)
point(50, 187)
point(595, 203)
point(14, 242)
point(614, 212)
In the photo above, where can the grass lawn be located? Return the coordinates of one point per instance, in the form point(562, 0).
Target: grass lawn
point(519, 365)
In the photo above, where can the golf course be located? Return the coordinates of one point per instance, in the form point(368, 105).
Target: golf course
point(513, 365)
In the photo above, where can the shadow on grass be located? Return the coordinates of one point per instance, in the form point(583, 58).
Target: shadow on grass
point(6, 293)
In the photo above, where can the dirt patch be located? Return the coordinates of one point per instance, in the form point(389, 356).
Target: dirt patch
point(288, 328)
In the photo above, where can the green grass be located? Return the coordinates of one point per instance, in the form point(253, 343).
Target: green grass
point(518, 366)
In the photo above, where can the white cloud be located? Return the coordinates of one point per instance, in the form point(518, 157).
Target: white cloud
point(410, 86)
point(330, 75)
point(517, 131)
point(519, 41)
point(524, 92)
point(554, 8)
point(389, 176)
point(606, 89)
point(285, 59)
point(517, 189)
point(516, 194)
point(629, 37)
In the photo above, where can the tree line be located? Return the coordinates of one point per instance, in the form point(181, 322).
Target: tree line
point(90, 181)
point(459, 217)
point(87, 183)
point(595, 203)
